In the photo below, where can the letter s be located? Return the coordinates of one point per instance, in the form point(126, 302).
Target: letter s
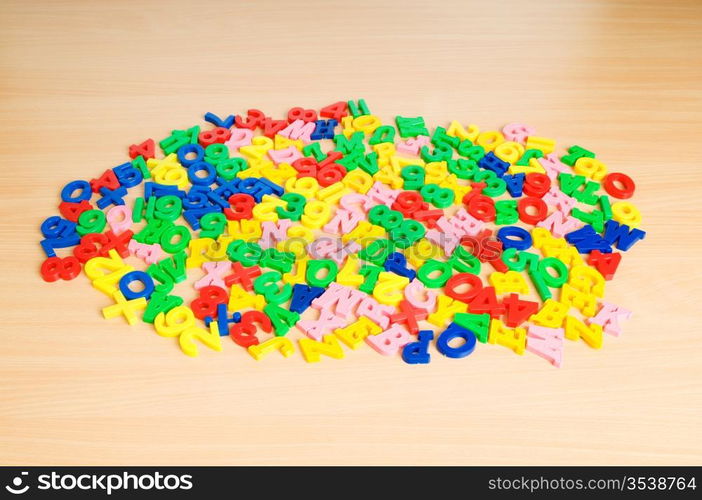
point(44, 483)
point(491, 245)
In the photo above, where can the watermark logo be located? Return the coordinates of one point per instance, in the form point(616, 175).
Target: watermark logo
point(107, 483)
point(16, 488)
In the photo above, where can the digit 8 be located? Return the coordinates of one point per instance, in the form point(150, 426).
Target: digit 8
point(306, 115)
point(377, 214)
point(206, 304)
point(216, 135)
point(438, 196)
point(244, 332)
point(55, 268)
point(241, 206)
point(407, 233)
point(467, 149)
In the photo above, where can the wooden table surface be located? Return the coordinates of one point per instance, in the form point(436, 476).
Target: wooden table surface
point(81, 80)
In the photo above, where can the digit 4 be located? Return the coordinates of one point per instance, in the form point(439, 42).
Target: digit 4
point(517, 310)
point(486, 302)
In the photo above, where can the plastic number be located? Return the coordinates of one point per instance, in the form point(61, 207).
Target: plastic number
point(206, 303)
point(91, 221)
point(55, 268)
point(244, 332)
point(212, 225)
point(437, 196)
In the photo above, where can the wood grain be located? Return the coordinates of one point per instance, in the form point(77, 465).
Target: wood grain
point(80, 81)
